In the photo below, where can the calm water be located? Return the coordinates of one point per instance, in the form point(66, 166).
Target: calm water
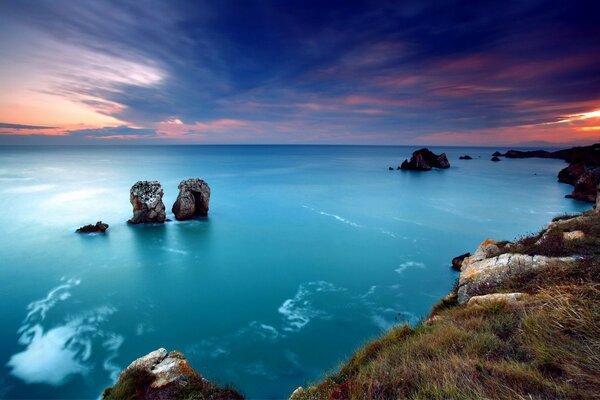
point(307, 253)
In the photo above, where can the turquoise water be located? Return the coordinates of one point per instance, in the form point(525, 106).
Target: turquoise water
point(308, 251)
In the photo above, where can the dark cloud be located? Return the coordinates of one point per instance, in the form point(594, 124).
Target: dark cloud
point(19, 127)
point(400, 69)
point(108, 132)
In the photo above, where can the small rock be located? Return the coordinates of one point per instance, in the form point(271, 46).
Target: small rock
point(497, 154)
point(509, 298)
point(298, 393)
point(465, 157)
point(391, 168)
point(495, 159)
point(100, 227)
point(575, 235)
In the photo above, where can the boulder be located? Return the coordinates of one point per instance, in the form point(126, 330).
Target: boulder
point(424, 160)
point(465, 157)
point(486, 299)
point(146, 199)
point(495, 159)
point(390, 168)
point(162, 375)
point(99, 227)
point(193, 199)
point(457, 261)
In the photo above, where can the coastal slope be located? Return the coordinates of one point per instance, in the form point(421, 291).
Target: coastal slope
point(509, 329)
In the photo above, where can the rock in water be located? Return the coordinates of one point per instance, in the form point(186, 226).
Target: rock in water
point(146, 198)
point(99, 227)
point(465, 157)
point(496, 154)
point(193, 199)
point(162, 375)
point(495, 159)
point(424, 160)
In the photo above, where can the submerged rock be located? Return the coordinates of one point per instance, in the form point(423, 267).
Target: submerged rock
point(465, 157)
point(162, 375)
point(146, 199)
point(495, 159)
point(193, 199)
point(100, 227)
point(424, 160)
point(390, 168)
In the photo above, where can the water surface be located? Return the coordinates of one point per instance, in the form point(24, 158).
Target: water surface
point(308, 251)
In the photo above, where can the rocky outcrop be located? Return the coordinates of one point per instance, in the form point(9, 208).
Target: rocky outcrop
point(163, 375)
point(193, 199)
point(572, 173)
point(496, 154)
point(146, 199)
point(484, 271)
point(424, 160)
point(586, 187)
point(99, 227)
point(465, 157)
point(458, 260)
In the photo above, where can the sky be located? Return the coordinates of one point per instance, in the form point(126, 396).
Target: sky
point(299, 72)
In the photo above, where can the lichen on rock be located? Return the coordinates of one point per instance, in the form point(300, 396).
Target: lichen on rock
point(146, 199)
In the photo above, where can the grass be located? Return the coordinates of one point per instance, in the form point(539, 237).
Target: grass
point(544, 347)
point(134, 385)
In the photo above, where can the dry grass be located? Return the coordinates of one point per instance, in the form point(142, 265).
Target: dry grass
point(548, 347)
point(545, 347)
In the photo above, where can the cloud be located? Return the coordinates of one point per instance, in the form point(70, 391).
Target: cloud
point(20, 127)
point(357, 72)
point(118, 132)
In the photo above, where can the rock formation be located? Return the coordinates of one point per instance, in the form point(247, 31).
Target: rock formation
point(465, 157)
point(495, 159)
point(458, 260)
point(163, 375)
point(146, 198)
point(100, 227)
point(586, 186)
point(496, 154)
point(193, 199)
point(424, 160)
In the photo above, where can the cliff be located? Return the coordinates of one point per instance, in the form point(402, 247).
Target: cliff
point(523, 321)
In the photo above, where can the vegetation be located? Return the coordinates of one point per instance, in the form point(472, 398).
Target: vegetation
point(134, 384)
point(544, 346)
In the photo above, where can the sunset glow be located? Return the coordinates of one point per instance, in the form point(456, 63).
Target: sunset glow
point(84, 71)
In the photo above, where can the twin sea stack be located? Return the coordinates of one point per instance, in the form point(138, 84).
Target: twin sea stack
point(148, 207)
point(424, 160)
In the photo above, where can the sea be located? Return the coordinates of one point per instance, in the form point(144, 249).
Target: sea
point(306, 254)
